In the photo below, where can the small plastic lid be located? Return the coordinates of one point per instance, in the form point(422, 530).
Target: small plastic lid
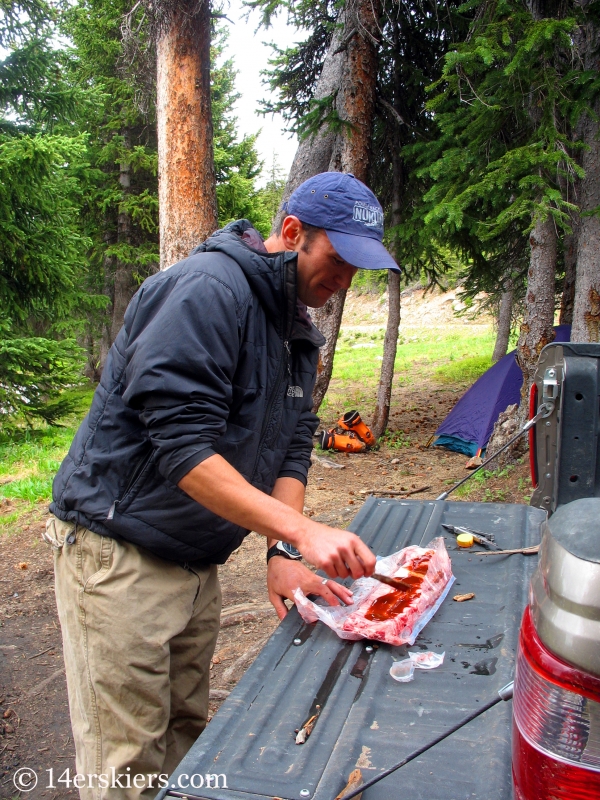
point(465, 540)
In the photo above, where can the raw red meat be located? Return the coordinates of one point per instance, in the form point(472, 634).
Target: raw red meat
point(389, 615)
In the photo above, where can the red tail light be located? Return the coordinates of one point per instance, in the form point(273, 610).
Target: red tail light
point(556, 725)
point(533, 398)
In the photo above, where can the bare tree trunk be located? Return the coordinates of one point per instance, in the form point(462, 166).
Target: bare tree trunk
point(124, 282)
point(568, 293)
point(536, 332)
point(504, 320)
point(381, 414)
point(586, 308)
point(537, 328)
point(355, 103)
point(105, 340)
point(186, 175)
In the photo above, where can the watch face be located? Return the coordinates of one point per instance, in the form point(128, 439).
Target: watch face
point(289, 549)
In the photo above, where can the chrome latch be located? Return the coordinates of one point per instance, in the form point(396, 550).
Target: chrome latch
point(551, 386)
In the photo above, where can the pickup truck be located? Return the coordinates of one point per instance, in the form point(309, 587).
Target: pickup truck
point(365, 720)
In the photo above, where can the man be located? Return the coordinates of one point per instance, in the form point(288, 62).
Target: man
point(200, 431)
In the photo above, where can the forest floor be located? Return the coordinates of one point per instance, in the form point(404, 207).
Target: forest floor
point(439, 356)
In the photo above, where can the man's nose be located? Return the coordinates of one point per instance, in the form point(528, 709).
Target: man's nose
point(345, 277)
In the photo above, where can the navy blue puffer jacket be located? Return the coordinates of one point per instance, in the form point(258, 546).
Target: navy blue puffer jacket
point(213, 357)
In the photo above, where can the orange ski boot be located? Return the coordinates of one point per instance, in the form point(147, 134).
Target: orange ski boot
point(345, 442)
point(352, 421)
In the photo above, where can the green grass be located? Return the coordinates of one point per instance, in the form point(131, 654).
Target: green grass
point(465, 369)
point(29, 458)
point(456, 356)
point(396, 439)
point(479, 481)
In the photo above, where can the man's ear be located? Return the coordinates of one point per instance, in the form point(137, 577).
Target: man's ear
point(291, 233)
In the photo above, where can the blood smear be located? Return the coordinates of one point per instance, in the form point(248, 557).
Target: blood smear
point(395, 616)
point(394, 603)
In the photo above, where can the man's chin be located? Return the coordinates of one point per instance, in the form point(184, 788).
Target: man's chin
point(317, 300)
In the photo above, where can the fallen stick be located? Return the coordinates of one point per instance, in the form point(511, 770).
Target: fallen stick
point(250, 654)
point(396, 494)
point(230, 611)
point(526, 551)
point(29, 658)
point(46, 682)
point(244, 612)
point(354, 781)
point(218, 694)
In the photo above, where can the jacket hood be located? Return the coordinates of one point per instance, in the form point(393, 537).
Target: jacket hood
point(271, 276)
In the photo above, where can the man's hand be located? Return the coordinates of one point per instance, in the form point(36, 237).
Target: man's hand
point(337, 552)
point(284, 576)
point(219, 487)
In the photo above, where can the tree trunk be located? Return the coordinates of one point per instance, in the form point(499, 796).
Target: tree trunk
point(314, 151)
point(504, 320)
point(536, 332)
point(568, 293)
point(381, 414)
point(537, 327)
point(328, 320)
point(124, 282)
point(586, 308)
point(186, 175)
point(355, 104)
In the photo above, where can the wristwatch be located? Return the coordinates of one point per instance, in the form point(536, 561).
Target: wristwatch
point(285, 550)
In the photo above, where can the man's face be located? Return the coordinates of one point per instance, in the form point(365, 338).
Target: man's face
point(321, 271)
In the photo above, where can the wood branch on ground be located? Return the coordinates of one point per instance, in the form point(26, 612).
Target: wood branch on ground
point(526, 551)
point(354, 782)
point(390, 493)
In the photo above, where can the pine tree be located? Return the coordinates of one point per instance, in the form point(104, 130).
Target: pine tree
point(505, 158)
point(42, 249)
point(121, 208)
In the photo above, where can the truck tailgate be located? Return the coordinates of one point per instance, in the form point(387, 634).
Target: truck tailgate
point(368, 720)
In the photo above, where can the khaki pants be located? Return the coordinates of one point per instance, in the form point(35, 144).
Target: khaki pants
point(138, 635)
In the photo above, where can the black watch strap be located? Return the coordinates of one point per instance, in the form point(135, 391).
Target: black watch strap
point(284, 550)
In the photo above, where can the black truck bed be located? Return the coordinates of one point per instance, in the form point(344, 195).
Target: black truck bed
point(367, 719)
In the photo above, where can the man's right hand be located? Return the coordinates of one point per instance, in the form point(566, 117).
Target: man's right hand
point(337, 552)
point(221, 489)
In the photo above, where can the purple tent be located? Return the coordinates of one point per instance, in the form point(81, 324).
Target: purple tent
point(469, 425)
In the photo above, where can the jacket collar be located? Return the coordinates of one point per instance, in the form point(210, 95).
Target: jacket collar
point(272, 278)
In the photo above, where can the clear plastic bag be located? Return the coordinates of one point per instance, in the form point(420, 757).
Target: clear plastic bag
point(385, 614)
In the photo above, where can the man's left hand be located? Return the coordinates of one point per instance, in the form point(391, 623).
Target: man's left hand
point(284, 576)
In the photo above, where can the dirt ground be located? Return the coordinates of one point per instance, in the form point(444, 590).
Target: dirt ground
point(34, 723)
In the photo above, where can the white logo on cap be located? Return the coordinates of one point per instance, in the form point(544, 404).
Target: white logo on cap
point(371, 216)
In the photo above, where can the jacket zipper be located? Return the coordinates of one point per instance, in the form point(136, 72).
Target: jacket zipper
point(285, 360)
point(141, 466)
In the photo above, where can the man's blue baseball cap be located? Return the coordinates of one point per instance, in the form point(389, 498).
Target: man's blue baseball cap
point(350, 214)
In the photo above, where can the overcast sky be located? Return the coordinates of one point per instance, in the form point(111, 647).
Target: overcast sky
point(250, 56)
